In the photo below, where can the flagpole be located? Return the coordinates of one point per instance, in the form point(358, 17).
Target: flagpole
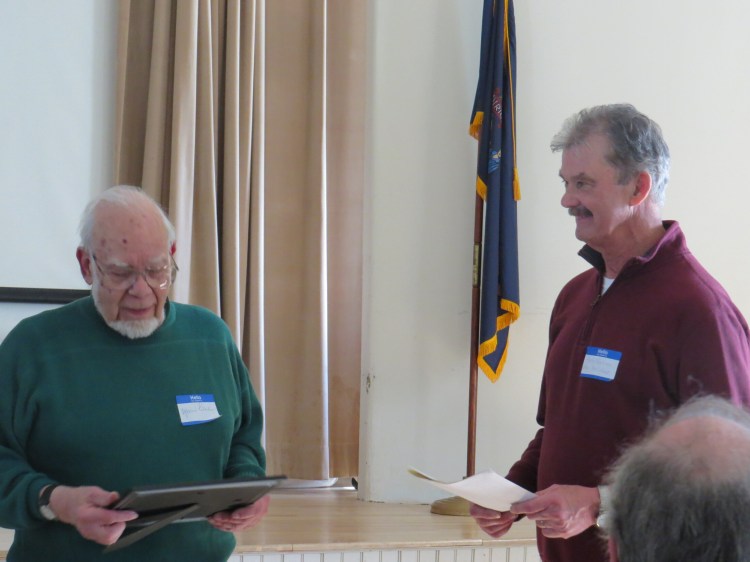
point(456, 505)
point(492, 124)
point(471, 443)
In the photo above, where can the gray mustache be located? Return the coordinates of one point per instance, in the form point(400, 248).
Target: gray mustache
point(579, 211)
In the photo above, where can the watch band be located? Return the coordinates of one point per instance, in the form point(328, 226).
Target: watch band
point(44, 507)
point(601, 520)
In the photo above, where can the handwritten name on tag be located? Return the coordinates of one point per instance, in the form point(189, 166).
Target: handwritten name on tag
point(197, 408)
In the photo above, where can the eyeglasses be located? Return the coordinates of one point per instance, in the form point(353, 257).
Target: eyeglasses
point(123, 277)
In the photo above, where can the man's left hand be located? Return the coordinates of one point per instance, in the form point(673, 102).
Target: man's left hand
point(241, 518)
point(561, 511)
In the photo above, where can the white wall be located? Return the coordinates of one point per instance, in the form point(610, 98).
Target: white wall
point(56, 117)
point(681, 62)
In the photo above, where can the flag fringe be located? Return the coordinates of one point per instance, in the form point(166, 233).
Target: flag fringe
point(516, 184)
point(488, 347)
point(476, 125)
point(512, 312)
point(491, 374)
point(481, 189)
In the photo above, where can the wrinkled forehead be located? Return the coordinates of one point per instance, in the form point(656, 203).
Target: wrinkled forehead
point(133, 228)
point(593, 151)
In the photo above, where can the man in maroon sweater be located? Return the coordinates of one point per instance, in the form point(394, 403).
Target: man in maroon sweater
point(645, 329)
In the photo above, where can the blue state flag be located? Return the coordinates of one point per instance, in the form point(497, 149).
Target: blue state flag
point(493, 125)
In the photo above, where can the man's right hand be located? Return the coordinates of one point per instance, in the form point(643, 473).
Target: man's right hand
point(494, 523)
point(85, 508)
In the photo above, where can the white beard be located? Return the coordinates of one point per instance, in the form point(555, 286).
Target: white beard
point(132, 329)
point(135, 329)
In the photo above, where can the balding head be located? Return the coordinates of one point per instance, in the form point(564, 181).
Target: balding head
point(705, 446)
point(683, 492)
point(121, 199)
point(126, 251)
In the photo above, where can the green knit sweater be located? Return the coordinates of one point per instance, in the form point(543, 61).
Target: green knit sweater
point(82, 405)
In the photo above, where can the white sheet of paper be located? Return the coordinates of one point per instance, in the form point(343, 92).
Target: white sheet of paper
point(487, 489)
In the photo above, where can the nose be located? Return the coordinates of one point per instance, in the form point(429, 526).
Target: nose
point(140, 287)
point(568, 200)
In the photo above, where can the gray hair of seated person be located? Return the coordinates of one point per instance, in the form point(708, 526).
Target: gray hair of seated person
point(685, 504)
point(123, 196)
point(637, 142)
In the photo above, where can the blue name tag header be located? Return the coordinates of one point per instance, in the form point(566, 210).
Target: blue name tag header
point(197, 408)
point(601, 363)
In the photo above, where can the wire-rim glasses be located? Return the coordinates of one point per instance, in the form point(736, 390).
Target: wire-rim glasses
point(123, 277)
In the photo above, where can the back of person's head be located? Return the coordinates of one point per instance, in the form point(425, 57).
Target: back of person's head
point(683, 493)
point(126, 197)
point(637, 142)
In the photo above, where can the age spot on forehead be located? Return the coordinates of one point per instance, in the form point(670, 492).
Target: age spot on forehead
point(124, 240)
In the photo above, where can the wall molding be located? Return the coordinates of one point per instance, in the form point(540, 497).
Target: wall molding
point(41, 296)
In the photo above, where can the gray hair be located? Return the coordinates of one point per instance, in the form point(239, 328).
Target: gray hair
point(122, 196)
point(637, 142)
point(687, 502)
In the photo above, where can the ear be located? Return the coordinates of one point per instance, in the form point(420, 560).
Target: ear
point(641, 189)
point(85, 263)
point(612, 549)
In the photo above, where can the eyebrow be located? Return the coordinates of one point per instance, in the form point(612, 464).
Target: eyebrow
point(117, 263)
point(160, 261)
point(579, 176)
point(156, 263)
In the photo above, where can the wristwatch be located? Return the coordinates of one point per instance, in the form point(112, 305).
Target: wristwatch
point(601, 519)
point(44, 507)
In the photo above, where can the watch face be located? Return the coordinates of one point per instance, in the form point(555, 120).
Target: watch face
point(47, 512)
point(601, 521)
point(44, 507)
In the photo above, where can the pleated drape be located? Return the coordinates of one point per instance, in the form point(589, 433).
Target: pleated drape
point(245, 120)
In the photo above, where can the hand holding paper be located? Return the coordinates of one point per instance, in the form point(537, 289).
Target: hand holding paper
point(487, 489)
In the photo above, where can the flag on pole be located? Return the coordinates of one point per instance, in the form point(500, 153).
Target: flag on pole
point(493, 125)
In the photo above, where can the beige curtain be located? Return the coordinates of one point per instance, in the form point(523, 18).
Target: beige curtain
point(245, 120)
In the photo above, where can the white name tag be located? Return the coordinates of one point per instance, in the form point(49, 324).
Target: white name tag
point(600, 363)
point(197, 408)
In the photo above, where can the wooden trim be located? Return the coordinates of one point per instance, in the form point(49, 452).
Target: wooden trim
point(41, 296)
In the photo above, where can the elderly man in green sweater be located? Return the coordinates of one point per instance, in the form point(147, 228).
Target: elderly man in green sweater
point(90, 402)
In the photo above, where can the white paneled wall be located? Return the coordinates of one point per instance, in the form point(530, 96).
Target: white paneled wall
point(522, 553)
